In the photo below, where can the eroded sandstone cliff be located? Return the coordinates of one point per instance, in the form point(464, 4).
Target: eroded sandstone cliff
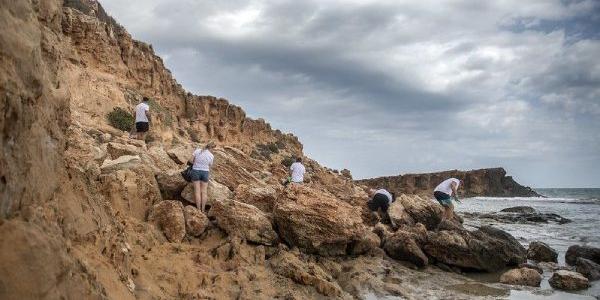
point(87, 213)
point(483, 182)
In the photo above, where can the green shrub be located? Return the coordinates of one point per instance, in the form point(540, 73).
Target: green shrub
point(120, 119)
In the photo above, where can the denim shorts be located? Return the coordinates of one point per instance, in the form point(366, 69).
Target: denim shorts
point(199, 175)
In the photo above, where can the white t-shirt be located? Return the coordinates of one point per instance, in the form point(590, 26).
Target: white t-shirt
point(298, 171)
point(203, 159)
point(140, 112)
point(446, 186)
point(386, 193)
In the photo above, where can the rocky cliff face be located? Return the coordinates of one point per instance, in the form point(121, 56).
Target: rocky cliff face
point(87, 213)
point(483, 182)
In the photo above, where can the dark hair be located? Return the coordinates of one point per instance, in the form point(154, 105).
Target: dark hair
point(145, 99)
point(393, 196)
point(298, 159)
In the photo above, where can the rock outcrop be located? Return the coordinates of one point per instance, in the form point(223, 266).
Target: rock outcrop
point(486, 249)
point(317, 222)
point(483, 182)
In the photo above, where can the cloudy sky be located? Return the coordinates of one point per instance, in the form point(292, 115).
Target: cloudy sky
point(390, 87)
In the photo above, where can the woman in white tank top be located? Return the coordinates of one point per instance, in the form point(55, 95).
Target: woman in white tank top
point(201, 161)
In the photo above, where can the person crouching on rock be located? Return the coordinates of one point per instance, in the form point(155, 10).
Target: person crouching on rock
point(297, 171)
point(382, 199)
point(443, 193)
point(142, 119)
point(201, 161)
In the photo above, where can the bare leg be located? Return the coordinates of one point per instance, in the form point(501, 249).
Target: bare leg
point(198, 194)
point(204, 187)
point(449, 212)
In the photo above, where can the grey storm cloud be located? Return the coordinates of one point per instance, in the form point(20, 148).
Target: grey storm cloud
point(389, 87)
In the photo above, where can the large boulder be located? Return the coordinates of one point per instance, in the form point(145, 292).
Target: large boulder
point(263, 197)
point(402, 245)
point(522, 276)
point(171, 184)
point(195, 221)
point(588, 252)
point(244, 220)
point(540, 251)
point(568, 280)
point(317, 221)
point(422, 210)
point(169, 217)
point(588, 268)
point(120, 163)
point(216, 192)
point(486, 249)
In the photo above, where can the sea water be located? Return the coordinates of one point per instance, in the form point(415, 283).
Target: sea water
point(582, 206)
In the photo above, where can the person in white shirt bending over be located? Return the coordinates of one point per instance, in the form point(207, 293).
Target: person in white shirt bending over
point(142, 119)
point(297, 170)
point(442, 193)
point(201, 161)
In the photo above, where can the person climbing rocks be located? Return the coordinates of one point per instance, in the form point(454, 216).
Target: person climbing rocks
point(443, 193)
point(142, 119)
point(381, 200)
point(297, 171)
point(201, 161)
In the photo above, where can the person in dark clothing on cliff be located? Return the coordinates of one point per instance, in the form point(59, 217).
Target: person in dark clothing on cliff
point(443, 193)
point(381, 200)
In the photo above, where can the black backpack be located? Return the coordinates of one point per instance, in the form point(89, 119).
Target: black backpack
point(187, 174)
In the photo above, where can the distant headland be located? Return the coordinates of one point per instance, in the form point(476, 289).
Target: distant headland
point(491, 182)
